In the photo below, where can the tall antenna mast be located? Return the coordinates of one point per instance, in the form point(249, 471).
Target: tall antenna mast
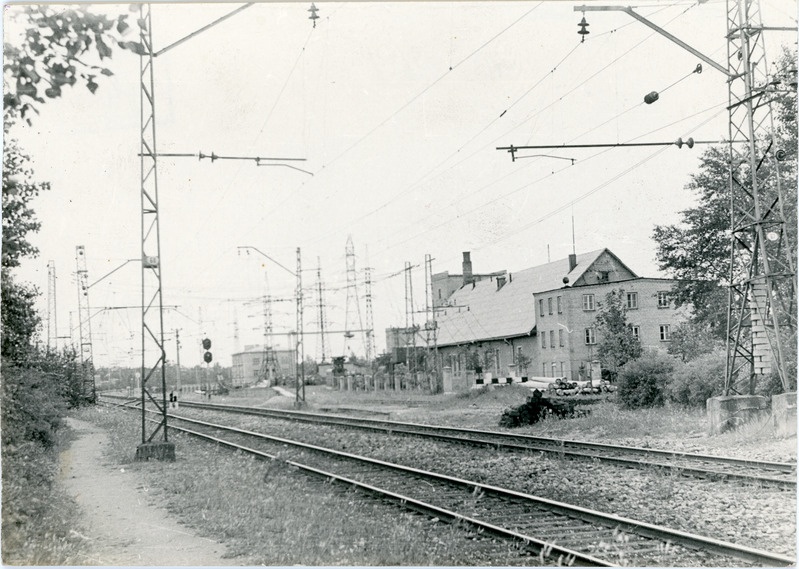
point(86, 364)
point(52, 326)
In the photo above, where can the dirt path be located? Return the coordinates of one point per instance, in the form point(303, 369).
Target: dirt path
point(123, 527)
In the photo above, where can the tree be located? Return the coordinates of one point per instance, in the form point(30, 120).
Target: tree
point(696, 251)
point(690, 340)
point(617, 345)
point(56, 51)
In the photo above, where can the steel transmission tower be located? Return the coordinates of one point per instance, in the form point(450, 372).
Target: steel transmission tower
point(268, 368)
point(84, 324)
point(352, 298)
point(761, 309)
point(153, 371)
point(52, 324)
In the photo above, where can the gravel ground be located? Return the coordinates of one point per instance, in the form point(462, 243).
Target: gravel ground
point(764, 518)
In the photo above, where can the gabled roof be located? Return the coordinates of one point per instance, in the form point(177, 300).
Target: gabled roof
point(481, 312)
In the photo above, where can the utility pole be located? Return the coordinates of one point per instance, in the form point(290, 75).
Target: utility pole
point(370, 325)
point(86, 363)
point(177, 349)
point(300, 344)
point(321, 308)
point(52, 326)
point(410, 319)
point(431, 325)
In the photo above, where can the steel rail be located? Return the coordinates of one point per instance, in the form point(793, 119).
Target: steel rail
point(612, 521)
point(530, 442)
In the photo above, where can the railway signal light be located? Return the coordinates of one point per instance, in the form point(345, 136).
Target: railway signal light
point(207, 356)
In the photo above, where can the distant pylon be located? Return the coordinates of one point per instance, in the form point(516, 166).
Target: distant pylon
point(52, 326)
point(268, 371)
point(410, 319)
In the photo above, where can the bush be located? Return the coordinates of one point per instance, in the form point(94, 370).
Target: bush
point(694, 382)
point(642, 382)
point(535, 409)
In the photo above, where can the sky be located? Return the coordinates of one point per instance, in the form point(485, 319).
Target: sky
point(397, 110)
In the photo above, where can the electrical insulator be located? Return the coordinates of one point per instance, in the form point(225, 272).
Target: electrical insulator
point(651, 97)
point(583, 29)
point(689, 143)
point(313, 17)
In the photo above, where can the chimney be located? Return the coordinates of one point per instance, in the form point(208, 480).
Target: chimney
point(467, 268)
point(572, 261)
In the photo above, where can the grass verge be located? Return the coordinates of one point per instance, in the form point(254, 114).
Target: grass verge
point(269, 513)
point(39, 526)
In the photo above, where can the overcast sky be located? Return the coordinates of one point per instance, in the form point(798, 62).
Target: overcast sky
point(397, 109)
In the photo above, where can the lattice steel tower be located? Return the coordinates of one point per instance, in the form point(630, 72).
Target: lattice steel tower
point(268, 369)
point(153, 354)
point(84, 324)
point(761, 312)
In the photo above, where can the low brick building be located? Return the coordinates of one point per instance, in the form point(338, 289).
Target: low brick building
point(247, 364)
point(541, 321)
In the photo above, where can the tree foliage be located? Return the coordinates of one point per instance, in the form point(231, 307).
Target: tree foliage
point(19, 219)
point(642, 383)
point(617, 345)
point(58, 50)
point(697, 249)
point(691, 340)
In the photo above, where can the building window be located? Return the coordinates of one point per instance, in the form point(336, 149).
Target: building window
point(665, 332)
point(544, 368)
point(541, 306)
point(663, 299)
point(560, 305)
point(560, 338)
point(549, 304)
point(635, 331)
point(632, 301)
point(543, 340)
point(604, 276)
point(588, 302)
point(563, 369)
point(590, 336)
point(551, 338)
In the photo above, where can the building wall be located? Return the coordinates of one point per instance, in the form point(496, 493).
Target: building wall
point(246, 365)
point(571, 324)
point(559, 337)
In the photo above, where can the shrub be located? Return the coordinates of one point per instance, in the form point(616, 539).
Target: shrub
point(694, 382)
point(642, 382)
point(535, 409)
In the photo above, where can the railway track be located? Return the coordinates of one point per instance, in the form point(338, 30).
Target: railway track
point(559, 533)
point(780, 474)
